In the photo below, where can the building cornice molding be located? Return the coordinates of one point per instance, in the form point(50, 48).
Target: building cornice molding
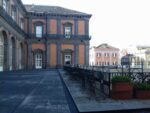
point(69, 16)
point(56, 41)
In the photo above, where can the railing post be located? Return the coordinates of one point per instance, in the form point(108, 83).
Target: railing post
point(129, 71)
point(142, 74)
point(142, 63)
point(83, 79)
point(109, 84)
point(122, 69)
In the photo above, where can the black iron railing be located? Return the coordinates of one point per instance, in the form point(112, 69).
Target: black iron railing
point(86, 37)
point(103, 75)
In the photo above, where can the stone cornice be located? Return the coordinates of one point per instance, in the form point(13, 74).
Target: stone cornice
point(62, 16)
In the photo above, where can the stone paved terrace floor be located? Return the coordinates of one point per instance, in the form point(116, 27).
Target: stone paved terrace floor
point(44, 91)
point(32, 92)
point(90, 104)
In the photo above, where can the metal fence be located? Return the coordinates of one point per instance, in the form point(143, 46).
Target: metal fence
point(99, 78)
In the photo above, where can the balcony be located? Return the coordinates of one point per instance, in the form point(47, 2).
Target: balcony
point(61, 36)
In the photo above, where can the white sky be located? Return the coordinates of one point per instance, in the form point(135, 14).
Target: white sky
point(119, 23)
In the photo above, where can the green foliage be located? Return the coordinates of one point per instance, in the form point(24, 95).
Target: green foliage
point(142, 86)
point(116, 79)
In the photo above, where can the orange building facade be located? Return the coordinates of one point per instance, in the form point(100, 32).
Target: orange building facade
point(36, 37)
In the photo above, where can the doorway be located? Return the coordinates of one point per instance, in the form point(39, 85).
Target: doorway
point(38, 60)
point(67, 59)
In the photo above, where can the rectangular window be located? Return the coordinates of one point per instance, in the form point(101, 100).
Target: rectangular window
point(100, 63)
point(97, 54)
point(97, 63)
point(13, 12)
point(106, 54)
point(108, 63)
point(39, 31)
point(21, 23)
point(114, 54)
point(5, 5)
point(114, 63)
point(67, 32)
point(13, 15)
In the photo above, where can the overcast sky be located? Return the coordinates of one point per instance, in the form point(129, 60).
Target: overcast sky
point(119, 23)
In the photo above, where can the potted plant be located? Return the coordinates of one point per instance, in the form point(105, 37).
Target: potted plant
point(142, 90)
point(121, 87)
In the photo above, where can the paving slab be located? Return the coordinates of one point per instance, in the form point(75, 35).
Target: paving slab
point(85, 102)
point(32, 92)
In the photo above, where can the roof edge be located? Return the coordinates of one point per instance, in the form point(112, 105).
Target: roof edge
point(30, 12)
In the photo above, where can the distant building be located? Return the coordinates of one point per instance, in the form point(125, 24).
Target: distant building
point(140, 54)
point(104, 55)
point(127, 59)
point(144, 54)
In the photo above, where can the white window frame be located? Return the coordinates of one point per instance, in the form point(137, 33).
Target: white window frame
point(38, 60)
point(67, 31)
point(39, 31)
